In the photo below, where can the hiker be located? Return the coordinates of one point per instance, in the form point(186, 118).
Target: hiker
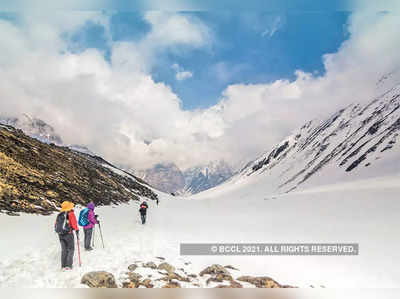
point(143, 210)
point(88, 228)
point(65, 225)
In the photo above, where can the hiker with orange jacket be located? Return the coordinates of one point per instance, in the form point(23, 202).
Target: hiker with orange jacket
point(65, 225)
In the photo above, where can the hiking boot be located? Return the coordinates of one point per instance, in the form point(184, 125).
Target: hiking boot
point(89, 249)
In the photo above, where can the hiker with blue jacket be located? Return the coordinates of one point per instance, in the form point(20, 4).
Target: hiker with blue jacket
point(88, 228)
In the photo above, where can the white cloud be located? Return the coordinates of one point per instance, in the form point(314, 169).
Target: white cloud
point(183, 75)
point(118, 110)
point(180, 73)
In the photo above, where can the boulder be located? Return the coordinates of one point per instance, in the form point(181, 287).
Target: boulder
point(133, 280)
point(99, 279)
point(147, 283)
point(132, 267)
point(175, 276)
point(219, 278)
point(150, 265)
point(167, 267)
point(214, 270)
point(260, 282)
point(236, 285)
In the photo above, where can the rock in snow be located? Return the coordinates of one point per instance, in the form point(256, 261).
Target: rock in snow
point(99, 279)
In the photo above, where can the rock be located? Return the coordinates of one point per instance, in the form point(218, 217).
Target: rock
point(132, 267)
point(147, 283)
point(213, 279)
point(165, 278)
point(176, 276)
point(133, 280)
point(150, 265)
point(219, 278)
point(236, 285)
point(214, 270)
point(129, 285)
point(167, 267)
point(260, 282)
point(99, 279)
point(222, 276)
point(192, 275)
point(172, 285)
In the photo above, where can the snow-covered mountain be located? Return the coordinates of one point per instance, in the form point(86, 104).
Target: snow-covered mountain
point(198, 179)
point(169, 178)
point(358, 141)
point(42, 131)
point(33, 127)
point(164, 177)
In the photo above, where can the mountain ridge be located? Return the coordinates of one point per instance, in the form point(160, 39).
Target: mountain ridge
point(36, 177)
point(354, 136)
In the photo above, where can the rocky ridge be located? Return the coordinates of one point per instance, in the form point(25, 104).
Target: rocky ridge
point(36, 177)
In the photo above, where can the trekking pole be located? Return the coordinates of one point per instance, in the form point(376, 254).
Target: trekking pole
point(101, 235)
point(79, 252)
point(94, 228)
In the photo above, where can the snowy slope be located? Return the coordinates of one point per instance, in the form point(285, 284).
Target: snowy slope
point(364, 212)
point(359, 141)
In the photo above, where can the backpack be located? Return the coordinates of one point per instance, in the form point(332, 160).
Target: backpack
point(62, 224)
point(83, 217)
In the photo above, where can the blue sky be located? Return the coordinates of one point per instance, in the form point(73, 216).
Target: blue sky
point(146, 60)
point(248, 47)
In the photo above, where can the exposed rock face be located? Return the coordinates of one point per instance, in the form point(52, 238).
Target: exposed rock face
point(99, 279)
point(352, 139)
point(169, 178)
point(201, 178)
point(36, 177)
point(165, 177)
point(33, 127)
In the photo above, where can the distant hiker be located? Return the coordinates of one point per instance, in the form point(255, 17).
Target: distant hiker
point(65, 225)
point(88, 220)
point(143, 210)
